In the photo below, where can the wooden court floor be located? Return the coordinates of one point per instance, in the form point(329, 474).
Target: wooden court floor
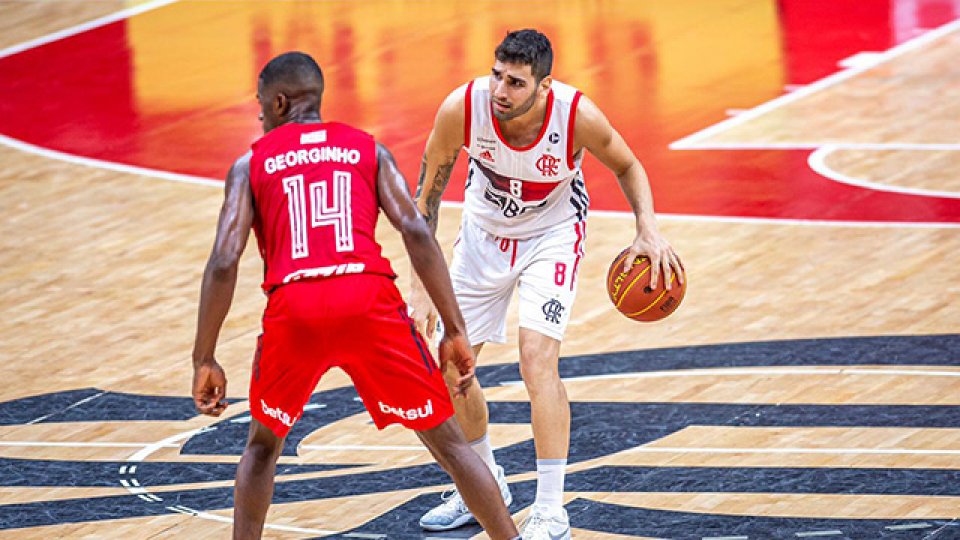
point(807, 387)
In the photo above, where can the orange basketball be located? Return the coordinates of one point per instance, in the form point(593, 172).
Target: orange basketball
point(630, 291)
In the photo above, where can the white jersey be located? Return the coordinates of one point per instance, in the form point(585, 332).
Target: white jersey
point(523, 192)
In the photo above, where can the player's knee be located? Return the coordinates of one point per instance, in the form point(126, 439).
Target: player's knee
point(446, 441)
point(539, 371)
point(263, 445)
point(263, 452)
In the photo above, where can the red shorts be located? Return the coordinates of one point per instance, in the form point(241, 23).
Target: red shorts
point(358, 323)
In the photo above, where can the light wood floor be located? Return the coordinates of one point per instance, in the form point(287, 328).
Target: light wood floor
point(100, 274)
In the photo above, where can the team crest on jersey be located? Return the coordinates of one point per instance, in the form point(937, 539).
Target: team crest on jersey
point(548, 165)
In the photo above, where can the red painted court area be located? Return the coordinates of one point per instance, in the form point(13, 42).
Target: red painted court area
point(173, 89)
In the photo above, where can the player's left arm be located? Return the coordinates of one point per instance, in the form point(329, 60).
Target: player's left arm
point(429, 264)
point(217, 288)
point(594, 132)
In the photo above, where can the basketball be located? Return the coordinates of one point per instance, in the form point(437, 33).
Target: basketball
point(632, 295)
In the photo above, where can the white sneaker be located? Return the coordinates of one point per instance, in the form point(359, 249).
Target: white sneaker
point(543, 523)
point(453, 512)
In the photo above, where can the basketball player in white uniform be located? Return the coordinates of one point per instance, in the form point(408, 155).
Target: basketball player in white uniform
point(524, 226)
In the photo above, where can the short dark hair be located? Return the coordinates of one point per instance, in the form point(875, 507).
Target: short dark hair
point(527, 47)
point(293, 69)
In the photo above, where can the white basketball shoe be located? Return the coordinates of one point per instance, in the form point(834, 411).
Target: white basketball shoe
point(453, 512)
point(545, 523)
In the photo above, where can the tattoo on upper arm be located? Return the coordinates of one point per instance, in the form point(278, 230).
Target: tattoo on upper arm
point(423, 176)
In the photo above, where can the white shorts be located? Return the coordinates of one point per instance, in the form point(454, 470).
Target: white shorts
point(486, 268)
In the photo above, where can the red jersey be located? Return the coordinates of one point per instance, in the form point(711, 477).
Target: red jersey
point(316, 207)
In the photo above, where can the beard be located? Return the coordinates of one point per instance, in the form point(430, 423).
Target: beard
point(514, 112)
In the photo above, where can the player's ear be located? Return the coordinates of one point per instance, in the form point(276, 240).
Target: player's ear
point(545, 83)
point(281, 105)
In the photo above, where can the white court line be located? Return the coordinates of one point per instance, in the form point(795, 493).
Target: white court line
point(807, 145)
point(83, 27)
point(91, 162)
point(150, 449)
point(818, 162)
point(909, 526)
point(738, 372)
point(846, 451)
point(72, 405)
point(199, 180)
point(223, 519)
point(108, 165)
point(691, 142)
point(68, 444)
point(172, 440)
point(688, 218)
point(372, 448)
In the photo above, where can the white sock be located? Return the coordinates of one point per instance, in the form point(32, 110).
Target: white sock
point(550, 473)
point(483, 449)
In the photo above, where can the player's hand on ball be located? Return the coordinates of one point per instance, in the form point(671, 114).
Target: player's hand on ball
point(663, 259)
point(209, 388)
point(457, 349)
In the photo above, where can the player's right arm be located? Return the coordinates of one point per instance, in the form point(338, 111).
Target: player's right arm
point(439, 157)
point(428, 263)
point(219, 283)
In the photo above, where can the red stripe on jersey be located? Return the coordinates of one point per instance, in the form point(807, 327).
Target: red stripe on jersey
point(468, 114)
point(513, 259)
point(572, 124)
point(529, 191)
point(581, 228)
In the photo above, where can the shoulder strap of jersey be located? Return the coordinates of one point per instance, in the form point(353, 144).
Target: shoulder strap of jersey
point(467, 114)
point(572, 121)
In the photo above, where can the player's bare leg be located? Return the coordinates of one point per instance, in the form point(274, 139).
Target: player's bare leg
point(549, 407)
point(472, 419)
point(473, 479)
point(550, 418)
point(254, 486)
point(471, 410)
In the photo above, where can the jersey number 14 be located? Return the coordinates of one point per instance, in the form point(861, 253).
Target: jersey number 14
point(336, 214)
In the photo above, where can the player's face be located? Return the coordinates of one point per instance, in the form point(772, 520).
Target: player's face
point(513, 89)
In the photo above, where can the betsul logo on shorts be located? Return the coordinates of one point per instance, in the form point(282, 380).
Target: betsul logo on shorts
point(277, 414)
point(408, 414)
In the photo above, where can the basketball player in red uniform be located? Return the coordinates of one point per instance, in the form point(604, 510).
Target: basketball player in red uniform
point(312, 192)
point(523, 228)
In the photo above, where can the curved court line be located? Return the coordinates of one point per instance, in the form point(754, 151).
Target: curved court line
point(818, 162)
point(139, 491)
point(108, 165)
point(91, 162)
point(690, 142)
point(204, 181)
point(83, 27)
